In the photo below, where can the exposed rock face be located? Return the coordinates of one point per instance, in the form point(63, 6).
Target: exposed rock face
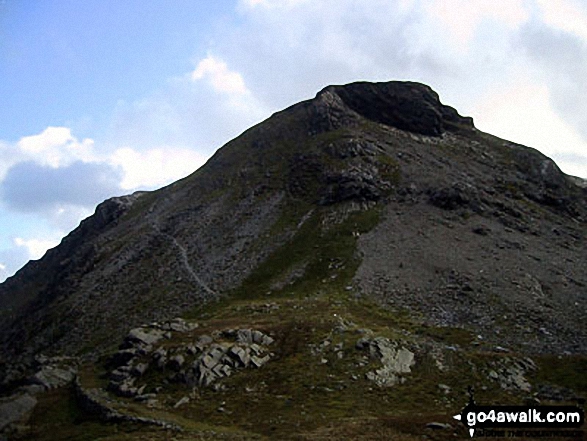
point(51, 377)
point(463, 217)
point(407, 106)
point(395, 359)
point(510, 373)
point(197, 364)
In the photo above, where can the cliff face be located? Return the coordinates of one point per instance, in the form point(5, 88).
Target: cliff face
point(471, 230)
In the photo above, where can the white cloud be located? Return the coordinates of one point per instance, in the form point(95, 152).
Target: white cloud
point(220, 76)
point(567, 15)
point(271, 3)
point(155, 167)
point(522, 112)
point(56, 147)
point(50, 137)
point(36, 248)
point(462, 17)
point(2, 267)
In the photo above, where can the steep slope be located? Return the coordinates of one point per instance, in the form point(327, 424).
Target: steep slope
point(469, 231)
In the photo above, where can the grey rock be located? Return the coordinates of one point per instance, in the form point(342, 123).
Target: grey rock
point(120, 374)
point(240, 355)
point(145, 397)
point(15, 409)
point(51, 377)
point(127, 389)
point(261, 338)
point(244, 336)
point(32, 389)
point(256, 349)
point(259, 361)
point(144, 336)
point(160, 353)
point(510, 373)
point(203, 341)
point(444, 388)
point(206, 376)
point(176, 362)
point(124, 356)
point(362, 343)
point(209, 362)
point(395, 361)
point(217, 352)
point(139, 369)
point(179, 325)
point(181, 402)
point(438, 426)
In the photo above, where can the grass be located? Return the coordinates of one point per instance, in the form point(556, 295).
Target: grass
point(568, 372)
point(297, 395)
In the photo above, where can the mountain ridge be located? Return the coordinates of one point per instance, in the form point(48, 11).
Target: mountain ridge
point(243, 224)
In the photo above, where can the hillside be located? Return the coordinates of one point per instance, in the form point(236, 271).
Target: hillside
point(391, 252)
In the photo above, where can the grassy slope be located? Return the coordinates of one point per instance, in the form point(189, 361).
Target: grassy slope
point(307, 391)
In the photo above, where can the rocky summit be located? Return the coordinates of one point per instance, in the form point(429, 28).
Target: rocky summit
point(351, 268)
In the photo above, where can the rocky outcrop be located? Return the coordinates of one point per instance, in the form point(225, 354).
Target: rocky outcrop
point(198, 363)
point(396, 360)
point(510, 373)
point(51, 377)
point(404, 105)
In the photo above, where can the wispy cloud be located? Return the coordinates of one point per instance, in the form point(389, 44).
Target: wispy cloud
point(220, 77)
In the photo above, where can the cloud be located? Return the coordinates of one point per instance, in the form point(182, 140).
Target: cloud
point(24, 249)
point(566, 15)
point(49, 138)
point(36, 248)
point(32, 187)
point(523, 112)
point(155, 167)
point(199, 111)
point(56, 146)
point(461, 18)
point(561, 59)
point(11, 260)
point(288, 50)
point(270, 3)
point(220, 77)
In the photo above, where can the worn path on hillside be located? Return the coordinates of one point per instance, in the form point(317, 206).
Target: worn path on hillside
point(181, 252)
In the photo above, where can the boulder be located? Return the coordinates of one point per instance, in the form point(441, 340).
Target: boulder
point(122, 357)
point(244, 336)
point(395, 361)
point(139, 369)
point(181, 402)
point(240, 355)
point(176, 362)
point(144, 336)
point(260, 338)
point(259, 361)
point(203, 342)
point(51, 377)
point(15, 409)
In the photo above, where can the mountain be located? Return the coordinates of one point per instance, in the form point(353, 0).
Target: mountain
point(372, 218)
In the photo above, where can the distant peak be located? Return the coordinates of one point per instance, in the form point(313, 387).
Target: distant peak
point(409, 106)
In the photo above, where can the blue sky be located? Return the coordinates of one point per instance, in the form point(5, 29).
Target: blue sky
point(101, 97)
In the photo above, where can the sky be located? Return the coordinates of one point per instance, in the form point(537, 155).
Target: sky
point(101, 98)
